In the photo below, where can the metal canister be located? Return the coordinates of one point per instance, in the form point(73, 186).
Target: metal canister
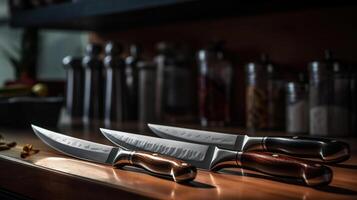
point(147, 92)
point(74, 87)
point(297, 118)
point(93, 85)
point(115, 108)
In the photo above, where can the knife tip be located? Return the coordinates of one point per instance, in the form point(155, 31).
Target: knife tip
point(104, 131)
point(34, 126)
point(36, 129)
point(153, 125)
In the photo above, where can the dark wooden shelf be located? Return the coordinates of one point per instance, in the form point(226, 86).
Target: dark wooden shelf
point(108, 15)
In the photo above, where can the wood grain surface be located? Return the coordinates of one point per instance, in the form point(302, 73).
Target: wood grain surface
point(52, 175)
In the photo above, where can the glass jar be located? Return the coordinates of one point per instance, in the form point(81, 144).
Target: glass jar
point(74, 87)
point(296, 108)
point(339, 110)
point(329, 96)
point(115, 86)
point(214, 86)
point(265, 96)
point(174, 84)
point(147, 92)
point(132, 81)
point(93, 84)
point(256, 96)
point(275, 95)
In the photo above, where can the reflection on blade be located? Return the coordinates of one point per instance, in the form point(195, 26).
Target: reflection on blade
point(180, 150)
point(78, 148)
point(199, 136)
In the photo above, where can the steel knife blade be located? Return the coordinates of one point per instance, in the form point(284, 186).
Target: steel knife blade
point(213, 158)
point(117, 157)
point(326, 150)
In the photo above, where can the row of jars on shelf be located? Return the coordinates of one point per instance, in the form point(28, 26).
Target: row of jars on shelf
point(166, 89)
point(325, 105)
point(118, 89)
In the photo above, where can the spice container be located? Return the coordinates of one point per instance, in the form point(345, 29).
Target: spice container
point(275, 95)
point(329, 96)
point(74, 87)
point(296, 108)
point(339, 110)
point(214, 86)
point(265, 96)
point(115, 86)
point(93, 85)
point(132, 81)
point(256, 96)
point(147, 92)
point(174, 83)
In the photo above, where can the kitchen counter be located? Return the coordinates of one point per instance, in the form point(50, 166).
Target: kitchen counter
point(52, 175)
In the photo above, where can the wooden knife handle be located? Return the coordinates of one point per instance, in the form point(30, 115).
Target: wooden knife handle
point(329, 151)
point(159, 164)
point(313, 174)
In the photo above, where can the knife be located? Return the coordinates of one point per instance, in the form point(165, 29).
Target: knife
point(178, 170)
point(213, 158)
point(328, 151)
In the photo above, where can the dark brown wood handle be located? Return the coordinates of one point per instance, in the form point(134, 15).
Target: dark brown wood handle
point(327, 150)
point(159, 164)
point(313, 174)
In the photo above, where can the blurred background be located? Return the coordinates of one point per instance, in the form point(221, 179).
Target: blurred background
point(257, 66)
point(53, 46)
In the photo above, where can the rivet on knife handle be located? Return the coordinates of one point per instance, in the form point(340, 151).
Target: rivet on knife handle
point(178, 170)
point(329, 151)
point(312, 174)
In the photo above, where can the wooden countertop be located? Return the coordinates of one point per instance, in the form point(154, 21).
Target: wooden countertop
point(52, 175)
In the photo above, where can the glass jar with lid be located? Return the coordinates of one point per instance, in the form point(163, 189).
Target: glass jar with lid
point(147, 91)
point(132, 81)
point(115, 104)
point(265, 96)
point(93, 84)
point(74, 87)
point(329, 96)
point(256, 96)
point(174, 83)
point(297, 118)
point(214, 86)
